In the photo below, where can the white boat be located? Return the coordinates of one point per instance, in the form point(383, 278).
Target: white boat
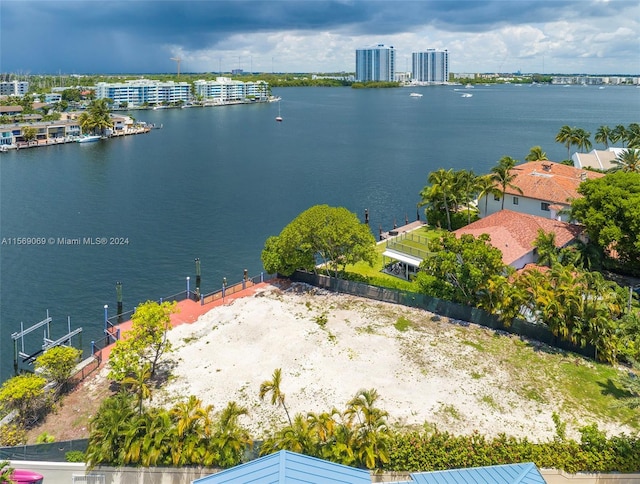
point(89, 139)
point(279, 116)
point(415, 94)
point(466, 94)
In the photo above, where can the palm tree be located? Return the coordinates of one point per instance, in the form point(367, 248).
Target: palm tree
point(158, 438)
point(466, 185)
point(619, 133)
point(137, 383)
point(536, 154)
point(441, 187)
point(581, 139)
point(633, 136)
point(96, 118)
point(372, 439)
point(502, 176)
point(627, 161)
point(230, 439)
point(486, 188)
point(603, 135)
point(546, 248)
point(273, 386)
point(565, 136)
point(6, 471)
point(107, 429)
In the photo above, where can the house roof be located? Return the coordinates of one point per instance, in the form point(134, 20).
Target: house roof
point(548, 181)
point(514, 233)
point(288, 467)
point(598, 159)
point(526, 473)
point(10, 109)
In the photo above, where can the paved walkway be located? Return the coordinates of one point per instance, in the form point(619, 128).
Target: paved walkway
point(189, 311)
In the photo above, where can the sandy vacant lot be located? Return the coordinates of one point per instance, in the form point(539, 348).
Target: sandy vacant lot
point(434, 371)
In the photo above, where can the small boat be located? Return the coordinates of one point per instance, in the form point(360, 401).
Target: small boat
point(89, 139)
point(279, 116)
point(415, 94)
point(466, 94)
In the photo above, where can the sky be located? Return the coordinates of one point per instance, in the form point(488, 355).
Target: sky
point(142, 36)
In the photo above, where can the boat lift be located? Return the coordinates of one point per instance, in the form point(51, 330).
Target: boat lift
point(47, 341)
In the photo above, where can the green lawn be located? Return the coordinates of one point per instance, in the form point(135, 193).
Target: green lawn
point(416, 239)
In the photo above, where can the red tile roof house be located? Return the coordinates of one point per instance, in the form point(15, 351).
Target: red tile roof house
point(514, 234)
point(547, 190)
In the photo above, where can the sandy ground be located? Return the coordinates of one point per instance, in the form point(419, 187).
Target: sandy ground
point(424, 374)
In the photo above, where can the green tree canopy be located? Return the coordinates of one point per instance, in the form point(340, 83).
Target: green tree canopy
point(459, 269)
point(610, 210)
point(145, 343)
point(23, 393)
point(57, 364)
point(332, 236)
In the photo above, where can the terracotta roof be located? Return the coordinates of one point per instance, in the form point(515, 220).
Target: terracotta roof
point(514, 233)
point(548, 181)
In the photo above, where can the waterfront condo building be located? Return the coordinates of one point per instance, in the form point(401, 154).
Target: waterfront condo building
point(225, 90)
point(144, 91)
point(431, 66)
point(376, 63)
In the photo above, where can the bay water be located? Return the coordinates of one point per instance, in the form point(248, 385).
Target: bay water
point(214, 183)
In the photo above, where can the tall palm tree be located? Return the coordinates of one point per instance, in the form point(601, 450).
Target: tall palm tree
point(633, 136)
point(230, 439)
point(486, 188)
point(466, 185)
point(565, 136)
point(502, 176)
point(536, 154)
point(372, 438)
point(273, 386)
point(581, 139)
point(619, 133)
point(603, 135)
point(442, 186)
point(627, 160)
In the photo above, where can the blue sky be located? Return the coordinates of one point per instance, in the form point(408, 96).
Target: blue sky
point(141, 36)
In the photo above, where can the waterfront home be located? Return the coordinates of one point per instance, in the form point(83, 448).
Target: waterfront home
point(546, 190)
point(597, 159)
point(514, 234)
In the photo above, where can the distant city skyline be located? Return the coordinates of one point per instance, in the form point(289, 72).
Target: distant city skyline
point(595, 37)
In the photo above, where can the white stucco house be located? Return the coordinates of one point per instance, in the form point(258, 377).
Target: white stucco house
point(547, 190)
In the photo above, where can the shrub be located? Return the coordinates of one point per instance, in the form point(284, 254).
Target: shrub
point(75, 456)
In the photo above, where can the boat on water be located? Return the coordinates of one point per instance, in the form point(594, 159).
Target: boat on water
point(467, 94)
point(415, 94)
point(89, 139)
point(279, 116)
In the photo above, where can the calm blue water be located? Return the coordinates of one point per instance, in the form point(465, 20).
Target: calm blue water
point(214, 183)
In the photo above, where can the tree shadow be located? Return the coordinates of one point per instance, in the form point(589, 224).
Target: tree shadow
point(610, 388)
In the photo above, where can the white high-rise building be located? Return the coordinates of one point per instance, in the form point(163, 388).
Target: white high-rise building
point(376, 63)
point(431, 66)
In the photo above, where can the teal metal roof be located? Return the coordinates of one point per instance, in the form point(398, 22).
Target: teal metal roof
point(288, 467)
point(526, 473)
